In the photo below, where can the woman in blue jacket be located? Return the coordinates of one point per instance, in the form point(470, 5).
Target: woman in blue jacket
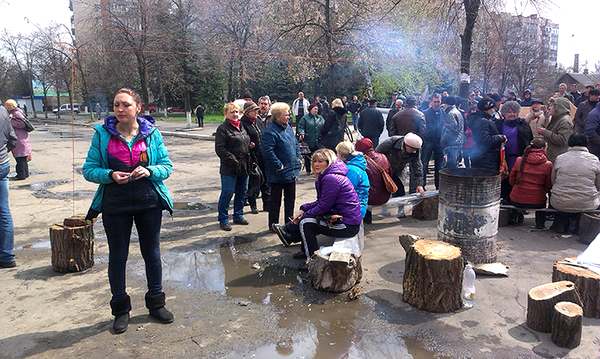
point(129, 160)
point(357, 172)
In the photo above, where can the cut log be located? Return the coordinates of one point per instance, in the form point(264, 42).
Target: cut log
point(427, 209)
point(407, 240)
point(72, 246)
point(586, 282)
point(334, 276)
point(541, 301)
point(433, 276)
point(566, 325)
point(589, 227)
point(75, 221)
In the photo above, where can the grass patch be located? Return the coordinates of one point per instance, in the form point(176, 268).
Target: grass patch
point(180, 117)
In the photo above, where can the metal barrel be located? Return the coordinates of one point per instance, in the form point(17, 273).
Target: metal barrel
point(469, 205)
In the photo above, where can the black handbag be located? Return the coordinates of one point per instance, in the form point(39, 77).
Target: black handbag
point(255, 179)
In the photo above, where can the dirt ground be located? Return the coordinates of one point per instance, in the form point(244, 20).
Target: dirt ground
point(239, 294)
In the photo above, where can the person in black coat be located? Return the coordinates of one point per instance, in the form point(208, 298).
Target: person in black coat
point(335, 125)
point(485, 153)
point(256, 181)
point(371, 123)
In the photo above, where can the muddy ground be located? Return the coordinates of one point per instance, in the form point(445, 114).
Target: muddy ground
point(239, 294)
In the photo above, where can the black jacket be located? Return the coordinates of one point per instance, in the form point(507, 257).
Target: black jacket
point(487, 141)
point(255, 133)
point(407, 120)
point(332, 132)
point(232, 147)
point(371, 123)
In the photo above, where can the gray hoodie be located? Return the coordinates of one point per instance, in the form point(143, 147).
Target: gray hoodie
point(8, 139)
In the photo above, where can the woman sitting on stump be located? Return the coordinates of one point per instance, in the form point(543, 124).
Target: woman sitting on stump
point(576, 184)
point(531, 179)
point(335, 213)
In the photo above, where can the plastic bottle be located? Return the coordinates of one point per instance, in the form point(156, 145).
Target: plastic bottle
point(468, 289)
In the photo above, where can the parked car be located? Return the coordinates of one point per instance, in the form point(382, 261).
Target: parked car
point(175, 109)
point(151, 107)
point(66, 108)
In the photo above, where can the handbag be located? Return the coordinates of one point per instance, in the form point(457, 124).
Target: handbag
point(28, 126)
point(390, 185)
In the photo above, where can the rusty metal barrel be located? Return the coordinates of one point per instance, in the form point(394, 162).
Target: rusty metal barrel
point(469, 205)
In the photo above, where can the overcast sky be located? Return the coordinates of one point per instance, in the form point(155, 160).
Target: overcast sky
point(577, 20)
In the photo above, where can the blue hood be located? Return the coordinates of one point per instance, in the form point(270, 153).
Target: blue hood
point(357, 160)
point(146, 125)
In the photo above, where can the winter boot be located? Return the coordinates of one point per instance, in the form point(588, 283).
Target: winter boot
point(120, 309)
point(156, 304)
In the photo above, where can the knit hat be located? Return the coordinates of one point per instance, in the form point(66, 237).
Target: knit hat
point(485, 104)
point(413, 140)
point(250, 106)
point(363, 145)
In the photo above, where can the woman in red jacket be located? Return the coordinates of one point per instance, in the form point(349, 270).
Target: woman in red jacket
point(531, 178)
point(378, 193)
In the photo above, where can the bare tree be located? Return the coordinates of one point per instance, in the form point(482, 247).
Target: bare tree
point(20, 48)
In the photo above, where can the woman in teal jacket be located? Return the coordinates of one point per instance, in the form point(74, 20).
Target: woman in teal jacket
point(357, 172)
point(129, 160)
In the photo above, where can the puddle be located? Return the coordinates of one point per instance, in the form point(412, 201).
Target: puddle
point(41, 190)
point(191, 206)
point(35, 245)
point(312, 324)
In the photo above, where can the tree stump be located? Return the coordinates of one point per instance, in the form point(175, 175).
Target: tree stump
point(433, 276)
point(541, 301)
point(566, 325)
point(72, 245)
point(407, 240)
point(589, 227)
point(587, 284)
point(427, 209)
point(334, 276)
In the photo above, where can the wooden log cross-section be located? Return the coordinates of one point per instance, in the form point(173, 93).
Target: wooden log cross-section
point(586, 282)
point(72, 245)
point(541, 301)
point(433, 276)
point(566, 325)
point(335, 273)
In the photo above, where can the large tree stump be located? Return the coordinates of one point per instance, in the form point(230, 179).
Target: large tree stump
point(541, 301)
point(427, 209)
point(334, 276)
point(566, 325)
point(72, 245)
point(433, 276)
point(589, 227)
point(587, 284)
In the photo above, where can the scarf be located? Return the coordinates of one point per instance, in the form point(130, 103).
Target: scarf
point(234, 123)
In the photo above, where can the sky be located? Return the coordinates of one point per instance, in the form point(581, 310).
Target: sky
point(576, 18)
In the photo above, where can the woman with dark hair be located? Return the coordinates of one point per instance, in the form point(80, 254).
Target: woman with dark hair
point(575, 184)
point(129, 160)
point(335, 125)
point(308, 130)
point(531, 179)
point(485, 150)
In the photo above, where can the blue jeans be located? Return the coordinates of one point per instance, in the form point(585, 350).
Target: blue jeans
point(355, 121)
point(7, 237)
point(231, 185)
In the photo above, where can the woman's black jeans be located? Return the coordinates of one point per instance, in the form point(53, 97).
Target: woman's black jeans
point(22, 167)
point(289, 194)
point(118, 233)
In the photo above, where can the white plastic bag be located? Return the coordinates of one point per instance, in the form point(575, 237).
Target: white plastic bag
point(591, 256)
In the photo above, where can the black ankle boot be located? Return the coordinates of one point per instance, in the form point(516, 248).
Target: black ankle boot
point(120, 309)
point(156, 304)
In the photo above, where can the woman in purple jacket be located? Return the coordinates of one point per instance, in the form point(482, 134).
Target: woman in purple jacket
point(335, 213)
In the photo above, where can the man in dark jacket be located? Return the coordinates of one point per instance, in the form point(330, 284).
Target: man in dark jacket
point(264, 112)
point(487, 141)
point(592, 131)
point(393, 111)
point(371, 123)
point(584, 109)
point(256, 183)
point(527, 100)
point(8, 141)
point(408, 120)
point(400, 151)
point(354, 107)
point(335, 125)
point(434, 122)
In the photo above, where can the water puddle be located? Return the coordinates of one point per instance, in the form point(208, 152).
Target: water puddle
point(35, 245)
point(42, 190)
point(312, 324)
point(190, 206)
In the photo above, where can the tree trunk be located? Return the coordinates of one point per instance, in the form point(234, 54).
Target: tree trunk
point(566, 325)
point(589, 227)
point(72, 245)
point(587, 284)
point(433, 276)
point(427, 209)
point(541, 301)
point(334, 276)
point(466, 41)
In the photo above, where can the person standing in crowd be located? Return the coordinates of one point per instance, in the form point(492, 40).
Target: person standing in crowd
point(335, 125)
point(281, 154)
point(232, 145)
point(536, 118)
point(453, 133)
point(8, 141)
point(98, 110)
point(300, 106)
point(264, 112)
point(402, 151)
point(432, 146)
point(22, 151)
point(256, 181)
point(353, 108)
point(562, 92)
point(584, 110)
point(531, 179)
point(309, 131)
point(357, 172)
point(377, 163)
point(574, 93)
point(585, 95)
point(371, 123)
point(485, 153)
point(129, 160)
point(575, 185)
point(559, 128)
point(592, 130)
point(498, 100)
point(527, 100)
point(335, 212)
point(408, 120)
point(392, 112)
point(518, 136)
point(199, 111)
